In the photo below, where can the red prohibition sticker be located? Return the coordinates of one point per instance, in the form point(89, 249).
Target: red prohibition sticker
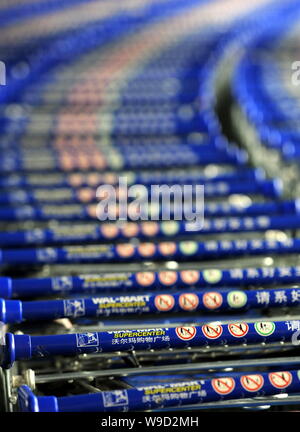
point(212, 300)
point(190, 277)
point(109, 230)
point(238, 329)
point(99, 161)
point(280, 380)
point(146, 249)
point(94, 179)
point(167, 277)
point(252, 383)
point(92, 210)
point(164, 302)
point(186, 333)
point(76, 180)
point(145, 278)
point(188, 301)
point(212, 331)
point(223, 386)
point(130, 229)
point(110, 178)
point(150, 228)
point(125, 250)
point(85, 194)
point(167, 248)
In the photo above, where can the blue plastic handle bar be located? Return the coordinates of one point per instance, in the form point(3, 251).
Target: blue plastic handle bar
point(268, 188)
point(14, 311)
point(169, 394)
point(127, 282)
point(133, 160)
point(144, 231)
point(160, 123)
point(183, 250)
point(25, 347)
point(80, 212)
point(170, 160)
point(197, 176)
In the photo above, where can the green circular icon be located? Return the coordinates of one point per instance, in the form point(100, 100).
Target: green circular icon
point(264, 328)
point(188, 247)
point(170, 227)
point(237, 299)
point(212, 275)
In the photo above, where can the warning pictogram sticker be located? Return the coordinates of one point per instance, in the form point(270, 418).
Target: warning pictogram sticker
point(212, 331)
point(188, 247)
point(223, 386)
point(167, 248)
point(150, 228)
point(186, 333)
point(146, 249)
point(238, 329)
point(170, 227)
point(145, 278)
point(164, 302)
point(280, 380)
point(252, 383)
point(130, 229)
point(212, 300)
point(188, 301)
point(125, 250)
point(92, 210)
point(94, 179)
point(167, 277)
point(85, 194)
point(189, 276)
point(76, 180)
point(237, 299)
point(109, 230)
point(108, 178)
point(264, 328)
point(212, 276)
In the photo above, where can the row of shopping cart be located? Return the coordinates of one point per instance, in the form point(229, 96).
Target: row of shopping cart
point(107, 313)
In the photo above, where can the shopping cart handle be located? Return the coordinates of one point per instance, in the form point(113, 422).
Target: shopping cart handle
point(7, 351)
point(183, 250)
point(25, 347)
point(29, 402)
point(10, 311)
point(158, 395)
point(71, 234)
point(125, 281)
point(6, 287)
point(200, 302)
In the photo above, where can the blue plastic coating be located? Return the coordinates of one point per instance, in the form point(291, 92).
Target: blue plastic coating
point(267, 188)
point(168, 394)
point(80, 212)
point(24, 347)
point(162, 230)
point(14, 311)
point(115, 282)
point(183, 250)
